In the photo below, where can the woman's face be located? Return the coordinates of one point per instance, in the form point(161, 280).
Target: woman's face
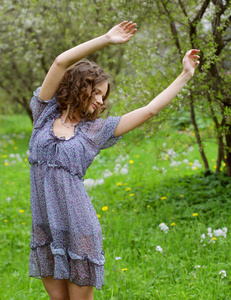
point(100, 92)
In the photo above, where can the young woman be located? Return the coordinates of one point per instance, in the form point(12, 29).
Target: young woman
point(66, 239)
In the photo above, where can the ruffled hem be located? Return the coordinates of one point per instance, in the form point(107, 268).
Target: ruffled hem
point(84, 270)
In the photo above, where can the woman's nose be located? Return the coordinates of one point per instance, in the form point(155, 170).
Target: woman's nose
point(99, 99)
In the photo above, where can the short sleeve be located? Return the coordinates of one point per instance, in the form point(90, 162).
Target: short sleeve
point(101, 132)
point(38, 106)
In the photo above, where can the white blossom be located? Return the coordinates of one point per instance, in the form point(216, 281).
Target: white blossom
point(223, 273)
point(89, 183)
point(164, 227)
point(202, 237)
point(186, 161)
point(107, 173)
point(175, 163)
point(117, 258)
point(197, 267)
point(210, 232)
point(8, 199)
point(158, 248)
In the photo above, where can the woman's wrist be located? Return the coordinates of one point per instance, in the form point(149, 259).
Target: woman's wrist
point(186, 76)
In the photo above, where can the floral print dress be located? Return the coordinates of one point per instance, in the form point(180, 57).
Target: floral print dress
point(66, 237)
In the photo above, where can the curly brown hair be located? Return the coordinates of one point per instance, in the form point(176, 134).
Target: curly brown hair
point(77, 90)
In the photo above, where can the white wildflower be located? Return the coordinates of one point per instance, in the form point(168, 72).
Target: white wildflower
point(8, 199)
point(164, 227)
point(18, 157)
point(107, 173)
point(202, 237)
point(193, 274)
point(223, 273)
point(210, 232)
point(158, 248)
point(186, 161)
point(117, 258)
point(175, 163)
point(124, 170)
point(190, 149)
point(197, 267)
point(89, 183)
point(116, 169)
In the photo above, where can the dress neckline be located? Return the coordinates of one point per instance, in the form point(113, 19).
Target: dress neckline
point(62, 138)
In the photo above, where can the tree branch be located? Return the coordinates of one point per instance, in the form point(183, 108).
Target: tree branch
point(173, 30)
point(201, 12)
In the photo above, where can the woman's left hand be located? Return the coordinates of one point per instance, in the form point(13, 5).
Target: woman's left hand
point(189, 62)
point(121, 33)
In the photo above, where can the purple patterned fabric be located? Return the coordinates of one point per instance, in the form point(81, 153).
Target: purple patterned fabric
point(66, 237)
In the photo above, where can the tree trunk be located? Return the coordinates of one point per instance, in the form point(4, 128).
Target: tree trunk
point(197, 133)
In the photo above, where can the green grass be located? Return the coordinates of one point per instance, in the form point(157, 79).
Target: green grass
point(130, 225)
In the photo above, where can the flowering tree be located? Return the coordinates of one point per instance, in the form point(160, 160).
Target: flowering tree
point(33, 33)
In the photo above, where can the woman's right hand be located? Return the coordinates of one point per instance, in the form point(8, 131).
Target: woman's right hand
point(121, 33)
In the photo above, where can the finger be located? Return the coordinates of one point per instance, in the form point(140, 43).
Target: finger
point(123, 23)
point(194, 51)
point(131, 27)
point(128, 24)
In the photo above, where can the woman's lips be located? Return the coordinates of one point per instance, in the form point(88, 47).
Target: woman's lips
point(95, 106)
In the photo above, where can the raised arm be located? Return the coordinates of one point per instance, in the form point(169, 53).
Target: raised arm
point(119, 34)
point(141, 115)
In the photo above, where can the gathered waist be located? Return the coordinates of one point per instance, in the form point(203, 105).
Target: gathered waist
point(55, 165)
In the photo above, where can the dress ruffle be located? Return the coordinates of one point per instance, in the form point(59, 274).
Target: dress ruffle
point(60, 263)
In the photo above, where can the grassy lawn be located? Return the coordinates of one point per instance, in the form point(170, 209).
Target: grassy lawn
point(154, 206)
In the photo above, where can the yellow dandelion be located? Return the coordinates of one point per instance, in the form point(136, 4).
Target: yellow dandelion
point(119, 183)
point(23, 223)
point(193, 133)
point(214, 167)
point(135, 210)
point(195, 168)
point(98, 215)
point(181, 196)
point(7, 183)
point(124, 270)
point(4, 156)
point(104, 208)
point(214, 238)
point(191, 164)
point(25, 159)
point(173, 224)
point(23, 166)
point(148, 205)
point(21, 211)
point(225, 156)
point(224, 164)
point(213, 159)
point(195, 214)
point(125, 183)
point(6, 163)
point(5, 221)
point(166, 155)
point(128, 189)
point(131, 161)
point(163, 198)
point(131, 195)
point(15, 148)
